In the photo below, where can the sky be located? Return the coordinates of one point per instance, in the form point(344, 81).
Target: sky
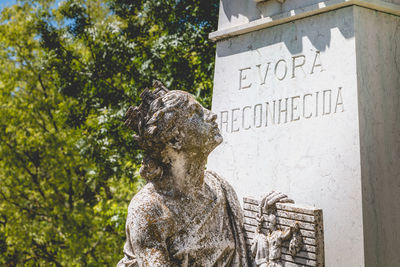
point(4, 3)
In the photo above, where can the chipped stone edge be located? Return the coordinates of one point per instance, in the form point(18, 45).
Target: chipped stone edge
point(300, 13)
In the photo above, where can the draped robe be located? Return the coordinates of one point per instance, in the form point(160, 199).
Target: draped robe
point(180, 232)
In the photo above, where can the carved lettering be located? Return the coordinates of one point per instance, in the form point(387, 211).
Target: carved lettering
point(263, 77)
point(325, 105)
point(304, 106)
point(294, 116)
point(285, 69)
point(243, 118)
point(234, 119)
point(339, 100)
point(243, 78)
point(317, 64)
point(269, 114)
point(284, 110)
point(258, 115)
point(224, 120)
point(300, 63)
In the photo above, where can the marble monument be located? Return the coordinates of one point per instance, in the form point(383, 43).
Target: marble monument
point(307, 95)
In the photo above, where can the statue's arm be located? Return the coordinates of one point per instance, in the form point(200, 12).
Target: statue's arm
point(254, 246)
point(290, 231)
point(286, 234)
point(152, 255)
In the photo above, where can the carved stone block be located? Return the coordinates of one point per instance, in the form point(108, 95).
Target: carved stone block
point(309, 220)
point(307, 97)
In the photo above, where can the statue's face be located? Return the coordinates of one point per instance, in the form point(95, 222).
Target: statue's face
point(200, 129)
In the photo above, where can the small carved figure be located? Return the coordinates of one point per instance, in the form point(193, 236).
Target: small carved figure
point(259, 246)
point(275, 238)
point(296, 243)
point(275, 213)
point(267, 248)
point(184, 216)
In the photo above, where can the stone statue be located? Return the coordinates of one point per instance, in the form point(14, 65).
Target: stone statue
point(184, 215)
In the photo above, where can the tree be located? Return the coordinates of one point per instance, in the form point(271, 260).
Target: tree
point(69, 71)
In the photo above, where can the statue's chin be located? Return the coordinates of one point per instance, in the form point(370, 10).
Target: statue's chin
point(217, 140)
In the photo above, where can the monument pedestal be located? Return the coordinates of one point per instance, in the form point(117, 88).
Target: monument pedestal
point(307, 95)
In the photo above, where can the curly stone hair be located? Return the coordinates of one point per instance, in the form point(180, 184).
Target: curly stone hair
point(157, 122)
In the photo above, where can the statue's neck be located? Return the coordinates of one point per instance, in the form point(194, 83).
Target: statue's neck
point(185, 174)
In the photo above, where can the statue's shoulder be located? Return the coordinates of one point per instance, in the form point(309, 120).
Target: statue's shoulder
point(147, 203)
point(218, 181)
point(148, 215)
point(215, 178)
point(146, 196)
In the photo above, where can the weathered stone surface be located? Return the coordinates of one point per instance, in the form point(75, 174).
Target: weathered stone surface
point(184, 216)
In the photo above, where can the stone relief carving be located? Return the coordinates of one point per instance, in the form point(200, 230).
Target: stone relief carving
point(267, 248)
point(184, 216)
point(281, 233)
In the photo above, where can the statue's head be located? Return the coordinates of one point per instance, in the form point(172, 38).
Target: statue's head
point(168, 121)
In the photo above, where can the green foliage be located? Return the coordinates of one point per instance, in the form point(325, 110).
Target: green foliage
point(68, 73)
